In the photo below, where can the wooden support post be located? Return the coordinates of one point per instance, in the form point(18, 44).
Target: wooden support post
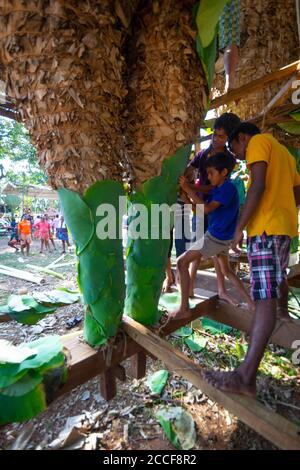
point(108, 385)
point(138, 365)
point(272, 426)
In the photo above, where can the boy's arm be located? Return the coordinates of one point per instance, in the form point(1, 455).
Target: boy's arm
point(253, 198)
point(196, 199)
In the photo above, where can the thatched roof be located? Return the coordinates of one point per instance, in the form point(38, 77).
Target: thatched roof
point(32, 190)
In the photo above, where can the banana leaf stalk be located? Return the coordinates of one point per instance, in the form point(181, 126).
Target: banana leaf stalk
point(146, 257)
point(94, 222)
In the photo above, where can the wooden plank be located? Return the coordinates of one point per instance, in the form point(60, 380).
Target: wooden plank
point(255, 85)
point(272, 426)
point(138, 365)
point(285, 333)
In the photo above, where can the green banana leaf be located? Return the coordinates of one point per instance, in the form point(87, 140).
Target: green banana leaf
point(292, 127)
point(214, 327)
point(208, 15)
point(178, 426)
point(157, 381)
point(195, 342)
point(183, 332)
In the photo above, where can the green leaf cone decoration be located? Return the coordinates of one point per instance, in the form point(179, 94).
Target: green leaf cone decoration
point(100, 267)
point(146, 258)
point(26, 386)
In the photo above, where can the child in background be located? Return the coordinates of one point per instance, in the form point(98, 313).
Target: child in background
point(43, 228)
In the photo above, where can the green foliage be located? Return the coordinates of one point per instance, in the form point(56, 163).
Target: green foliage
point(22, 384)
point(178, 426)
point(157, 381)
point(291, 127)
point(207, 19)
point(195, 342)
point(16, 146)
point(29, 310)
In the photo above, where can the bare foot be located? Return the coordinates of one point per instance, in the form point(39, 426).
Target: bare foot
point(227, 298)
point(167, 286)
point(231, 382)
point(179, 314)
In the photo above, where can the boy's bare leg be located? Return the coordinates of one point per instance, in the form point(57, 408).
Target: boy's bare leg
point(169, 277)
point(227, 271)
point(42, 246)
point(243, 379)
point(193, 273)
point(231, 58)
point(64, 246)
point(27, 248)
point(22, 248)
point(222, 292)
point(183, 264)
point(282, 303)
point(52, 241)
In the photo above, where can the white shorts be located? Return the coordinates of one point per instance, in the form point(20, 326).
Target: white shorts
point(210, 246)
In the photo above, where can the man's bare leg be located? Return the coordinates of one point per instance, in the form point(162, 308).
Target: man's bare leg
point(243, 379)
point(183, 264)
point(227, 271)
point(282, 302)
point(231, 58)
point(222, 292)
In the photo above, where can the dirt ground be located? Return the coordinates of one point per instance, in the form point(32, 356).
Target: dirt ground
point(128, 421)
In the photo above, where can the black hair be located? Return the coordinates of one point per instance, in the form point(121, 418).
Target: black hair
point(228, 122)
point(244, 128)
point(220, 161)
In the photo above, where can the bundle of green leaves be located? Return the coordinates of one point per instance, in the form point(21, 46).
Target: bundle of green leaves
point(29, 376)
point(29, 309)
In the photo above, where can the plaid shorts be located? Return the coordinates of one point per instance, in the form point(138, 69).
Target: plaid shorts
point(229, 25)
point(268, 258)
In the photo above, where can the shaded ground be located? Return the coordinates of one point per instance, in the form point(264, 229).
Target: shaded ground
point(128, 421)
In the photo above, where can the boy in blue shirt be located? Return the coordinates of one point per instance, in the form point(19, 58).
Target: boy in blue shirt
point(222, 207)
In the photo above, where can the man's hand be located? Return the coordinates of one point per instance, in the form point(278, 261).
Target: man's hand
point(238, 237)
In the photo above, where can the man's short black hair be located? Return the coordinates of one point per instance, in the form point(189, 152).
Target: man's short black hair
point(244, 128)
point(228, 122)
point(220, 161)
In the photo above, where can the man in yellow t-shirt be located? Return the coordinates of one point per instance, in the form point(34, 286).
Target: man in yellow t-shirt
point(270, 216)
point(24, 228)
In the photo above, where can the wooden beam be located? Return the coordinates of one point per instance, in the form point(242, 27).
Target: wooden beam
point(255, 85)
point(272, 426)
